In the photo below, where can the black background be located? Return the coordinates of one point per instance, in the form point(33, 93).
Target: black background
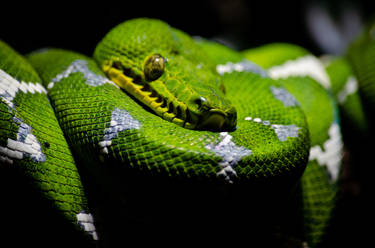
point(77, 26)
point(244, 24)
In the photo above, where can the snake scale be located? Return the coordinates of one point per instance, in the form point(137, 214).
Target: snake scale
point(159, 132)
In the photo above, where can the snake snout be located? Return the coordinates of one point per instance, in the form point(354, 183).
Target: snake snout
point(213, 120)
point(218, 120)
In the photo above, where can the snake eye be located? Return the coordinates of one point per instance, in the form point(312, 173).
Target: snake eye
point(153, 67)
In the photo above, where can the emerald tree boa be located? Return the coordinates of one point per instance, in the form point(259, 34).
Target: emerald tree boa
point(159, 127)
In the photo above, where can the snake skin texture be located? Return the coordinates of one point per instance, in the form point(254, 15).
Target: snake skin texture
point(345, 89)
point(32, 143)
point(306, 78)
point(300, 73)
point(116, 169)
point(113, 129)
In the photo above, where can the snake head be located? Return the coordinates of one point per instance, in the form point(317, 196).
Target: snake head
point(165, 70)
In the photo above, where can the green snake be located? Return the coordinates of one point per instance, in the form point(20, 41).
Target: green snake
point(156, 115)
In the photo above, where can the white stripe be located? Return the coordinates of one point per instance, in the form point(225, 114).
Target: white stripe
point(304, 66)
point(86, 221)
point(12, 90)
point(5, 160)
point(283, 132)
point(9, 88)
point(332, 154)
point(23, 87)
point(31, 88)
point(22, 147)
point(244, 65)
point(350, 87)
point(85, 217)
point(81, 66)
point(89, 227)
point(230, 153)
point(11, 153)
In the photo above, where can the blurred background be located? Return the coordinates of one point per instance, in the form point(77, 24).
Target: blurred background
point(318, 25)
point(323, 27)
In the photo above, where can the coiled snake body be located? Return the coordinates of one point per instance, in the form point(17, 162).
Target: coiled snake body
point(148, 121)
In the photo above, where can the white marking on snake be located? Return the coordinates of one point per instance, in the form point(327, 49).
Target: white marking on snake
point(284, 96)
point(120, 120)
point(81, 66)
point(305, 244)
point(267, 123)
point(332, 154)
point(350, 87)
point(86, 222)
point(10, 86)
point(230, 153)
point(244, 65)
point(307, 65)
point(26, 145)
point(283, 132)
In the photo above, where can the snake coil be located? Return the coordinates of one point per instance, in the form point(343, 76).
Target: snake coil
point(159, 131)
